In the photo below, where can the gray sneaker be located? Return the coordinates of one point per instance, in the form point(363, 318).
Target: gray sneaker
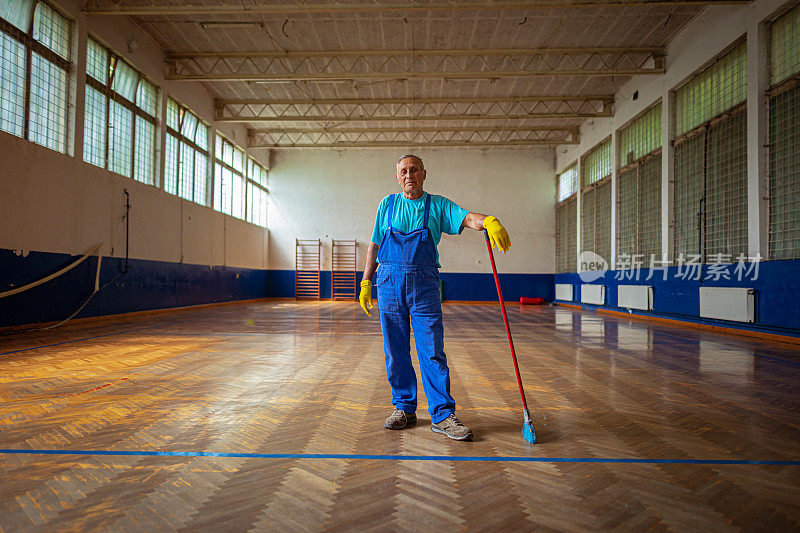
point(453, 428)
point(399, 419)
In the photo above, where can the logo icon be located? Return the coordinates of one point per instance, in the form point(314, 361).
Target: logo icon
point(591, 266)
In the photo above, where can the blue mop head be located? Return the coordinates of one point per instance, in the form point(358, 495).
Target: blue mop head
point(528, 433)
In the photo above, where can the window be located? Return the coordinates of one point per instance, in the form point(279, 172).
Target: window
point(639, 187)
point(229, 189)
point(719, 87)
point(596, 164)
point(119, 121)
point(256, 194)
point(35, 45)
point(710, 193)
point(566, 221)
point(596, 201)
point(784, 47)
point(567, 183)
point(784, 137)
point(640, 137)
point(186, 155)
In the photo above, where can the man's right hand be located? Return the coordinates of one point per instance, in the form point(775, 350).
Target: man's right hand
point(365, 297)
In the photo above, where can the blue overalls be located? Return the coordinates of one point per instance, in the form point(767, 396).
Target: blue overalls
point(408, 284)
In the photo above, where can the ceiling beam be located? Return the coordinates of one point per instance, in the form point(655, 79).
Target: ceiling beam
point(406, 109)
point(435, 136)
point(260, 7)
point(404, 64)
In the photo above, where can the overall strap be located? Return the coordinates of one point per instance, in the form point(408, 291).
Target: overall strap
point(427, 212)
point(389, 211)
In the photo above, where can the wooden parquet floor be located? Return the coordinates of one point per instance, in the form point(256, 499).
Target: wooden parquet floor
point(268, 416)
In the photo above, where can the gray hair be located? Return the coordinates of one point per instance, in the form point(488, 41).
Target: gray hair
point(418, 158)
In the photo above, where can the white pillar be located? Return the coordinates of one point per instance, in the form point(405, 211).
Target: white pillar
point(667, 171)
point(614, 158)
point(578, 202)
point(78, 90)
point(757, 139)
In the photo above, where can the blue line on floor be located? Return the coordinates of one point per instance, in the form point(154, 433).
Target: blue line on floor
point(78, 340)
point(516, 459)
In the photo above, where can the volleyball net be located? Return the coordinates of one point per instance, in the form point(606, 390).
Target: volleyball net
point(59, 296)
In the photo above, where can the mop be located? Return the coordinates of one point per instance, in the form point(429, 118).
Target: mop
point(528, 432)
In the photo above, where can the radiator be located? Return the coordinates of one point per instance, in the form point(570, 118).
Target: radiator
point(593, 294)
point(635, 297)
point(728, 303)
point(564, 292)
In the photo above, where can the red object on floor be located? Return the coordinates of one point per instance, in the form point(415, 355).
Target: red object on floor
point(524, 300)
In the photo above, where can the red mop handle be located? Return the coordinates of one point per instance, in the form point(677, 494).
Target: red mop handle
point(505, 319)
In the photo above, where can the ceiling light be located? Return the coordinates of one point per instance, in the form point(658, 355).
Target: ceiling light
point(293, 81)
point(222, 24)
point(473, 78)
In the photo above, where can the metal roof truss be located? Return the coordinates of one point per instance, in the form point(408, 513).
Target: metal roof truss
point(349, 110)
point(428, 64)
point(396, 137)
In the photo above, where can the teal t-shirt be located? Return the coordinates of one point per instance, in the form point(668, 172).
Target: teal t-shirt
point(445, 217)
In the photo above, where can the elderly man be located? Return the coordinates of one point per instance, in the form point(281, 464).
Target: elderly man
point(408, 228)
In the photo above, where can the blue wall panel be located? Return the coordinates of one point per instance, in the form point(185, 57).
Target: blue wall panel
point(158, 285)
point(481, 287)
point(146, 285)
point(777, 294)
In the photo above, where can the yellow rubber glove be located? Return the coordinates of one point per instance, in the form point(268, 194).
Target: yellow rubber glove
point(498, 235)
point(365, 297)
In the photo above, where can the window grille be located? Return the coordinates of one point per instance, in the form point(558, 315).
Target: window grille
point(120, 151)
point(119, 124)
point(18, 13)
point(171, 165)
point(784, 137)
point(95, 124)
point(710, 195)
point(602, 217)
point(96, 61)
point(12, 86)
point(588, 226)
point(639, 209)
point(144, 147)
point(566, 235)
point(51, 29)
point(720, 87)
point(596, 164)
point(596, 200)
point(688, 193)
point(596, 219)
point(186, 155)
point(627, 211)
point(784, 174)
point(649, 208)
point(47, 123)
point(725, 210)
point(639, 187)
point(710, 192)
point(566, 214)
point(35, 44)
point(256, 194)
